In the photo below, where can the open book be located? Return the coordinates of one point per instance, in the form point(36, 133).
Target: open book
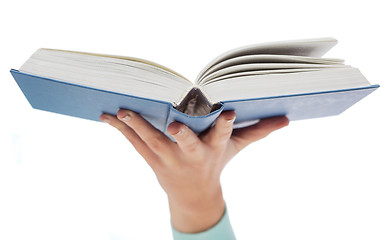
point(262, 80)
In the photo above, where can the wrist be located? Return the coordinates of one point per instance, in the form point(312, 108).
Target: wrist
point(197, 214)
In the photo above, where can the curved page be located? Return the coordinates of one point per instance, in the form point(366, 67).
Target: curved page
point(307, 47)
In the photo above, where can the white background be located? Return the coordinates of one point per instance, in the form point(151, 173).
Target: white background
point(68, 178)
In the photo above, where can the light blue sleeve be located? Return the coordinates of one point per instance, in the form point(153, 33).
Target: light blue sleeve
point(222, 230)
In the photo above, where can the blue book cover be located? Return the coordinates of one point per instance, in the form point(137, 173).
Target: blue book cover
point(89, 103)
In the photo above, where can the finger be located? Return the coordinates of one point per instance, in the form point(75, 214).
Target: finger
point(244, 136)
point(220, 133)
point(154, 138)
point(187, 140)
point(150, 157)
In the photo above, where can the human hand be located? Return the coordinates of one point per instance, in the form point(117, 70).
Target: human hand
point(189, 170)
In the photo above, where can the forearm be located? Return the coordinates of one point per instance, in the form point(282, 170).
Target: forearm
point(197, 214)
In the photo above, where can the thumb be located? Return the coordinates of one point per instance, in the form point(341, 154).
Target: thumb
point(247, 135)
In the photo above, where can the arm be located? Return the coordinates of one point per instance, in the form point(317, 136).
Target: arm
point(189, 170)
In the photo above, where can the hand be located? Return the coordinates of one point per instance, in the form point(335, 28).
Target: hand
point(189, 170)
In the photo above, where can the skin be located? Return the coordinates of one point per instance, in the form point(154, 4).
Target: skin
point(189, 170)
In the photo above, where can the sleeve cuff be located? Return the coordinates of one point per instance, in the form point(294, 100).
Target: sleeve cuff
point(221, 230)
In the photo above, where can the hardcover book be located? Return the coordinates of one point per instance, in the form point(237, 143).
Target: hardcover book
point(258, 81)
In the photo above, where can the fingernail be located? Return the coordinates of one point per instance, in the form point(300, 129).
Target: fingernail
point(178, 132)
point(231, 120)
point(175, 127)
point(126, 118)
point(124, 115)
point(105, 119)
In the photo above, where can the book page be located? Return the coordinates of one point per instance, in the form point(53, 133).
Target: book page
point(268, 58)
point(271, 85)
point(254, 73)
point(265, 67)
point(133, 59)
point(307, 47)
point(119, 75)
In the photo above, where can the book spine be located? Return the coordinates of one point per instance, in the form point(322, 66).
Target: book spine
point(195, 103)
point(196, 123)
